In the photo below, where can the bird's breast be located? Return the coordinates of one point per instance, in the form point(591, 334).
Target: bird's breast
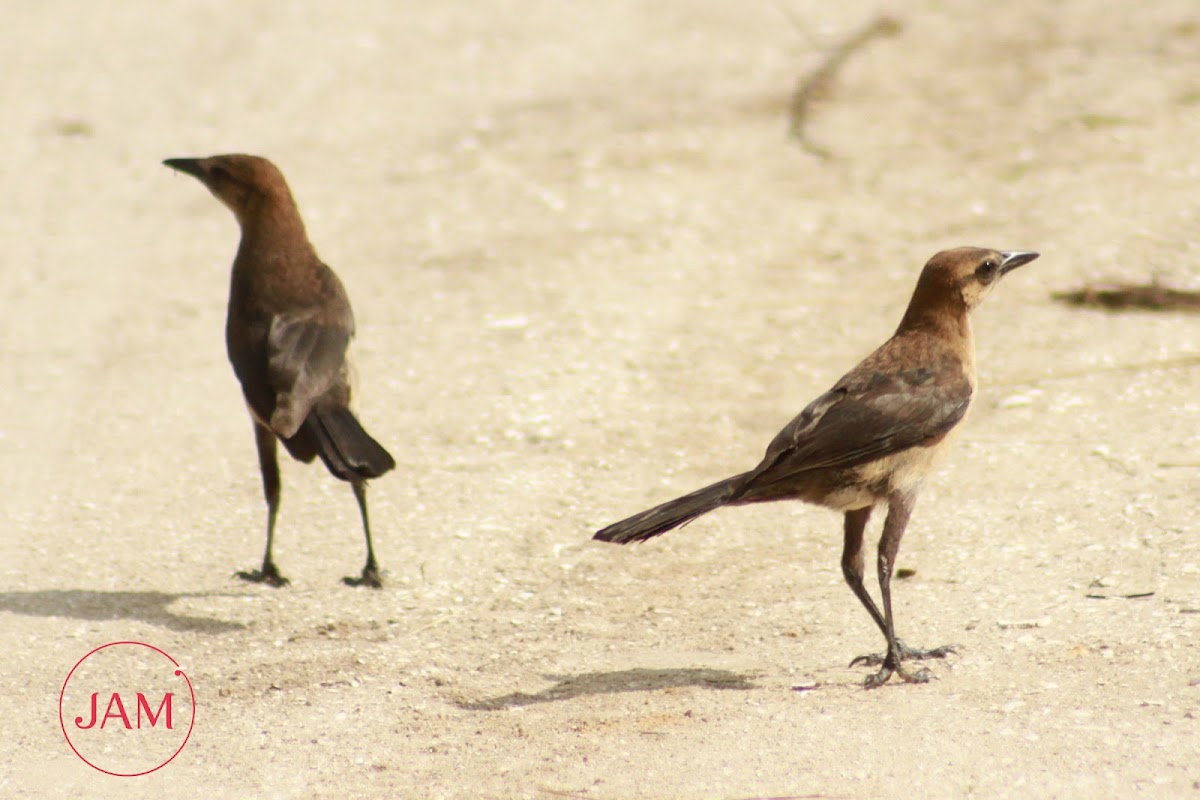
point(904, 472)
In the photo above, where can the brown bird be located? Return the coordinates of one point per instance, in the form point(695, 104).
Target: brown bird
point(287, 331)
point(873, 438)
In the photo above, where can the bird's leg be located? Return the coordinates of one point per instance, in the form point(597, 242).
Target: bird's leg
point(852, 569)
point(370, 572)
point(899, 510)
point(852, 562)
point(268, 464)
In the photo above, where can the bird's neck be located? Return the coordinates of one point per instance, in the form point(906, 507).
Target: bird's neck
point(949, 326)
point(273, 229)
point(938, 309)
point(950, 323)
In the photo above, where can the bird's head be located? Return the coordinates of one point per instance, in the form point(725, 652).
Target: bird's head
point(240, 181)
point(954, 282)
point(966, 275)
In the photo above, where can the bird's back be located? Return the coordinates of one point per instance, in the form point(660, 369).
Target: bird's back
point(879, 429)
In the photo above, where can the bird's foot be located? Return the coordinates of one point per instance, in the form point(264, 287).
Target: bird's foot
point(881, 677)
point(890, 663)
point(370, 578)
point(905, 653)
point(269, 574)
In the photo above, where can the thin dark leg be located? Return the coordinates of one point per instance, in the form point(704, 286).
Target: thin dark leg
point(370, 572)
point(899, 510)
point(268, 464)
point(852, 562)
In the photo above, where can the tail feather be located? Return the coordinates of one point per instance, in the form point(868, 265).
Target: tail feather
point(347, 450)
point(671, 514)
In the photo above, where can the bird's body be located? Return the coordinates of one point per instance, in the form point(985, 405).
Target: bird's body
point(872, 438)
point(287, 333)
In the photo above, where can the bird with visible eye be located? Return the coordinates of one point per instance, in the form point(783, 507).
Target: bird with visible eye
point(986, 272)
point(870, 440)
point(976, 283)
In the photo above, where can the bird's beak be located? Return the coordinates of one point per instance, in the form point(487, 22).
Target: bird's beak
point(1015, 258)
point(188, 166)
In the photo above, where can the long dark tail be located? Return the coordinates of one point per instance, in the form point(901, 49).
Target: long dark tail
point(671, 514)
point(347, 450)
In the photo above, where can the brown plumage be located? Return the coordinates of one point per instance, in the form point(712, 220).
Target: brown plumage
point(873, 438)
point(287, 331)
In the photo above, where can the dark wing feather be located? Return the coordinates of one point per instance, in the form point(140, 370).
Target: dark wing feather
point(869, 414)
point(304, 359)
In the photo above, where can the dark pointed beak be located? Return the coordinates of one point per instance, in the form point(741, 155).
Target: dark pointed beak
point(1015, 258)
point(188, 166)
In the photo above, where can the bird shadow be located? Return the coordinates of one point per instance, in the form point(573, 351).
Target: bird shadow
point(149, 607)
point(567, 687)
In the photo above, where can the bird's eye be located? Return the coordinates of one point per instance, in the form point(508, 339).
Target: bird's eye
point(986, 271)
point(220, 173)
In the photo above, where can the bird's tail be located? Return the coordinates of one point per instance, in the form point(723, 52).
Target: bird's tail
point(347, 450)
point(671, 514)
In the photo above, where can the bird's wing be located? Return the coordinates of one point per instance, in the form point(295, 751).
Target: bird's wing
point(867, 415)
point(304, 358)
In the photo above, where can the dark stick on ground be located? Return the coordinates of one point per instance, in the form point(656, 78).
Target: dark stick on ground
point(1131, 296)
point(287, 332)
point(818, 84)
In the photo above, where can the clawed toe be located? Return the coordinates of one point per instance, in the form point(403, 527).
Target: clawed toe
point(909, 654)
point(269, 575)
point(370, 578)
point(920, 676)
point(875, 680)
point(891, 664)
point(905, 653)
point(878, 679)
point(869, 660)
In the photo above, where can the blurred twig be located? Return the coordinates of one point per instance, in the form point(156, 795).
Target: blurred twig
point(817, 85)
point(1122, 296)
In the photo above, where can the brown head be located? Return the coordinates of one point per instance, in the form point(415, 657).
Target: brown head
point(954, 282)
point(250, 185)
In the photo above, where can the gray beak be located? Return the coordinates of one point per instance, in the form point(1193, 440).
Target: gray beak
point(188, 166)
point(1014, 259)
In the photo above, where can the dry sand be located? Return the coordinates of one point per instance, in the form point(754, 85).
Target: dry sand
point(592, 272)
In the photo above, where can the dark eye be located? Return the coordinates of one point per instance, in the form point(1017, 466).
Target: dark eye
point(220, 173)
point(986, 272)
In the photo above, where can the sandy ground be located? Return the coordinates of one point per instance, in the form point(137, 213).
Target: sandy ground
point(592, 272)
